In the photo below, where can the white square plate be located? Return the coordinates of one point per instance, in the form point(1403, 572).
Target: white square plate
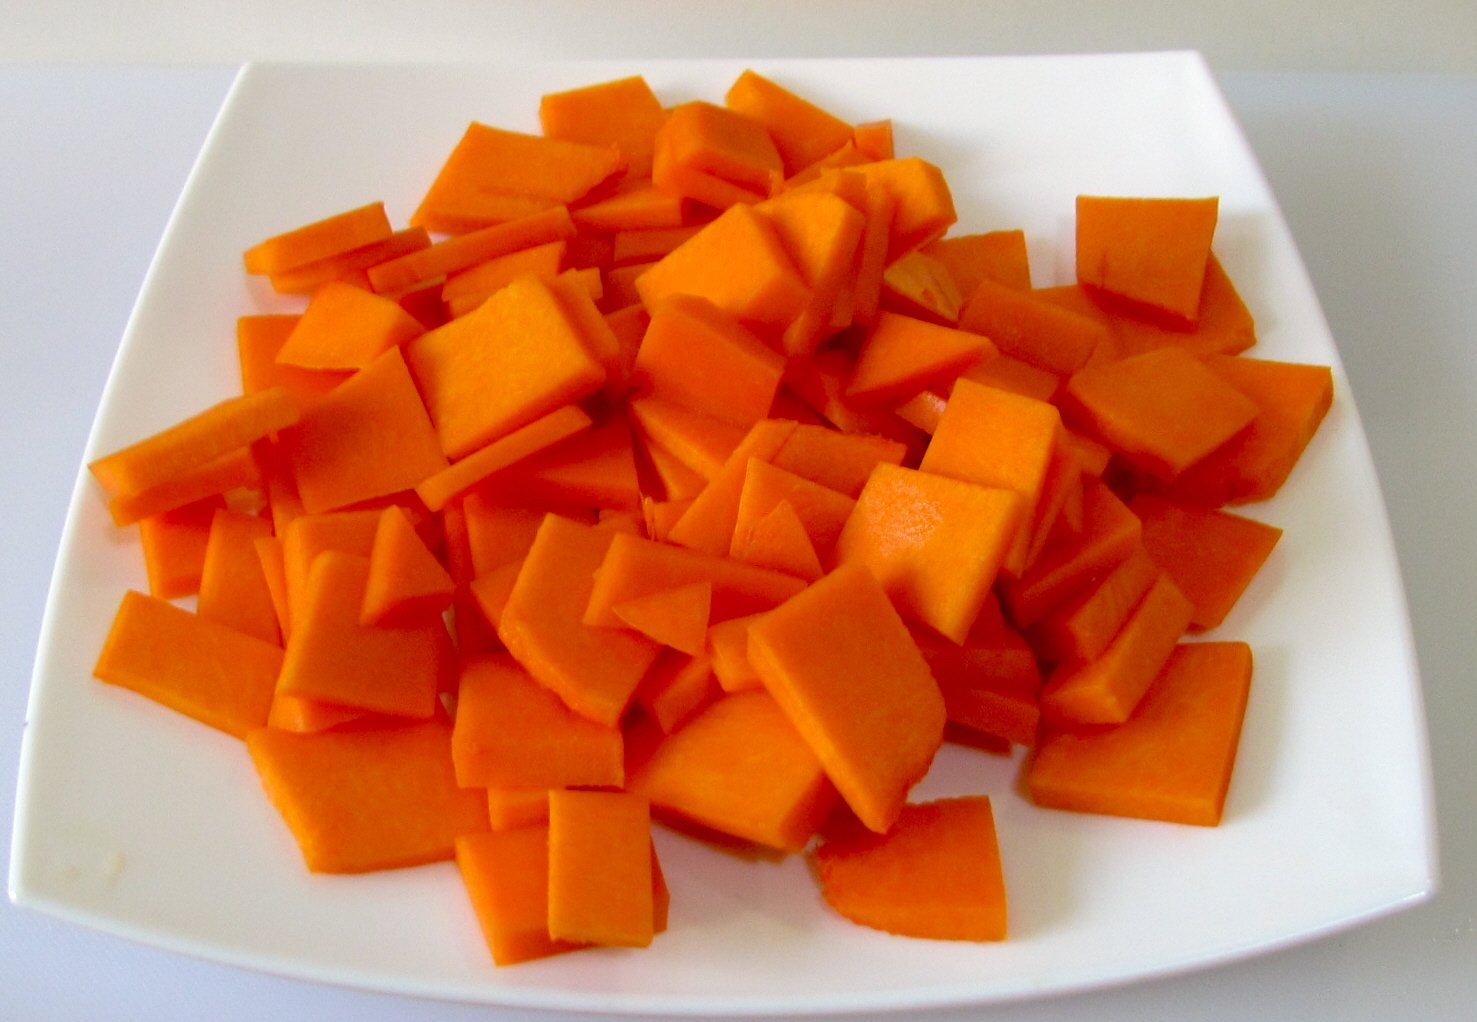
point(145, 824)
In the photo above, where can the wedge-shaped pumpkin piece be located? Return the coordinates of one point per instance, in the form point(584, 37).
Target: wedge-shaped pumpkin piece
point(347, 327)
point(1163, 410)
point(333, 658)
point(935, 874)
point(676, 617)
point(822, 511)
point(903, 355)
point(707, 524)
point(600, 868)
point(595, 468)
point(778, 539)
point(635, 567)
point(1212, 555)
point(1106, 689)
point(1171, 760)
point(490, 166)
point(594, 670)
point(840, 661)
point(406, 582)
point(201, 668)
point(370, 437)
point(802, 131)
point(368, 799)
point(696, 356)
point(464, 290)
point(1002, 440)
point(934, 543)
point(1291, 401)
point(736, 262)
point(349, 267)
point(512, 732)
point(515, 358)
point(740, 768)
point(623, 112)
point(233, 587)
point(320, 239)
point(1150, 252)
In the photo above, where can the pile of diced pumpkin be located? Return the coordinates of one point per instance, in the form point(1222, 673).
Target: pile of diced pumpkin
point(691, 464)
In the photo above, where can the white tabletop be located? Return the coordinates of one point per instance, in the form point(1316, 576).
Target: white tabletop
point(1375, 175)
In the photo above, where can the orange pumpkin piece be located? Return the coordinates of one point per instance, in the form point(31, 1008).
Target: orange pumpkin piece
point(595, 468)
point(924, 204)
point(1291, 399)
point(331, 657)
point(903, 355)
point(736, 262)
point(640, 206)
point(1027, 326)
point(635, 567)
point(676, 617)
point(174, 545)
point(802, 131)
point(517, 357)
point(714, 155)
point(840, 661)
point(699, 441)
point(623, 112)
point(676, 687)
point(1212, 555)
point(1082, 627)
point(493, 175)
point(917, 284)
point(233, 586)
point(512, 732)
point(1105, 690)
point(971, 258)
point(406, 582)
point(778, 539)
point(507, 450)
point(194, 443)
point(258, 339)
point(346, 327)
point(707, 524)
point(935, 874)
point(368, 799)
point(516, 807)
point(990, 682)
point(593, 670)
point(600, 868)
point(822, 511)
point(740, 768)
point(700, 358)
point(368, 438)
point(820, 231)
point(838, 461)
point(349, 267)
point(307, 536)
point(1171, 760)
point(320, 239)
point(235, 470)
point(997, 439)
point(464, 290)
point(1149, 252)
point(195, 666)
point(506, 874)
point(1162, 411)
point(934, 543)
